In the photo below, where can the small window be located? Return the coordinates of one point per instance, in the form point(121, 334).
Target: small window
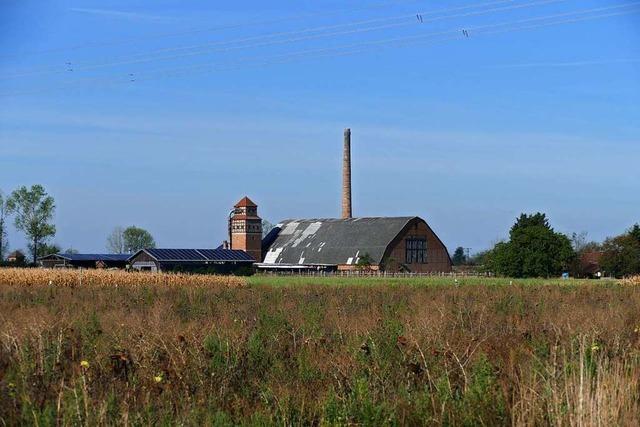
point(416, 250)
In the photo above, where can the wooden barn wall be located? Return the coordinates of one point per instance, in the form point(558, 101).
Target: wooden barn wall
point(437, 256)
point(143, 257)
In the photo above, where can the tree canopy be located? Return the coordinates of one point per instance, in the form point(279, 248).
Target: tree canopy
point(46, 249)
point(115, 241)
point(364, 262)
point(136, 238)
point(33, 209)
point(621, 254)
point(534, 249)
point(4, 242)
point(459, 256)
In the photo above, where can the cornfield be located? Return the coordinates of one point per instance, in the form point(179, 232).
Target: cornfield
point(633, 280)
point(101, 278)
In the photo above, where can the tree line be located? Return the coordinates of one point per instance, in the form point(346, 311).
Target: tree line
point(535, 249)
point(33, 209)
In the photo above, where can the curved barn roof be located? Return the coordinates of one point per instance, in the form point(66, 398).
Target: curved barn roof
point(332, 241)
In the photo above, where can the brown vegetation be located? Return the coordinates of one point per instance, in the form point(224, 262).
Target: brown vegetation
point(69, 277)
point(320, 355)
point(634, 280)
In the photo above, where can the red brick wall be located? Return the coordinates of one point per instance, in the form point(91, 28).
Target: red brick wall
point(246, 235)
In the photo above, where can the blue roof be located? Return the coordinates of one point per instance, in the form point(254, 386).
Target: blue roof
point(91, 257)
point(197, 255)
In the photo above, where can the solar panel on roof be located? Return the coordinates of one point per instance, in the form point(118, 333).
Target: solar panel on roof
point(95, 257)
point(199, 255)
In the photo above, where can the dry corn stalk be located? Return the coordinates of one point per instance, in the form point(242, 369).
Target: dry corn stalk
point(40, 277)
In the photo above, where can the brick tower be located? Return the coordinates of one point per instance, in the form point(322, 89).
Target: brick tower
point(347, 210)
point(246, 229)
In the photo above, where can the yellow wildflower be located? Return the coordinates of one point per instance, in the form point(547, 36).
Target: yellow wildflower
point(158, 378)
point(84, 364)
point(595, 347)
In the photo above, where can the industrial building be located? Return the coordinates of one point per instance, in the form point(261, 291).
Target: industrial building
point(393, 244)
point(398, 244)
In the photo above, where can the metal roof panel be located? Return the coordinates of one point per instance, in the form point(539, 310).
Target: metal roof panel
point(333, 241)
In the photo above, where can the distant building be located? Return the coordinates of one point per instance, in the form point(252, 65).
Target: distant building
point(16, 257)
point(394, 244)
point(246, 228)
point(590, 264)
point(220, 261)
point(84, 260)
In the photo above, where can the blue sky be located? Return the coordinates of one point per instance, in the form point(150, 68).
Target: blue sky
point(174, 110)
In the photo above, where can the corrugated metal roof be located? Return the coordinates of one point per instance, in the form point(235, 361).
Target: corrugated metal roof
point(333, 241)
point(197, 255)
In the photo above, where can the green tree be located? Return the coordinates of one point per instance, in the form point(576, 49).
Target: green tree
point(137, 238)
point(534, 249)
point(33, 209)
point(621, 254)
point(4, 241)
point(479, 259)
point(635, 232)
point(45, 249)
point(364, 262)
point(459, 257)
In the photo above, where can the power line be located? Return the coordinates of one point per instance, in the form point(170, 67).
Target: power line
point(452, 35)
point(345, 25)
point(456, 32)
point(215, 47)
point(59, 69)
point(362, 47)
point(217, 28)
point(519, 25)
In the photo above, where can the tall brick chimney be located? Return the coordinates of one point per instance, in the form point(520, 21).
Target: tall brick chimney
point(346, 176)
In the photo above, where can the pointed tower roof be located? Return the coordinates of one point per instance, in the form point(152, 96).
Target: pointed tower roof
point(245, 202)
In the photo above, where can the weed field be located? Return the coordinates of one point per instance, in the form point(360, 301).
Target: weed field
point(315, 351)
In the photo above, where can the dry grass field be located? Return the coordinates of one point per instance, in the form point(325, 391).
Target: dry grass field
point(192, 350)
point(107, 278)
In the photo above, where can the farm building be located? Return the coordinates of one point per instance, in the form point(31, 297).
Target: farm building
point(84, 260)
point(16, 257)
point(221, 261)
point(589, 263)
point(394, 244)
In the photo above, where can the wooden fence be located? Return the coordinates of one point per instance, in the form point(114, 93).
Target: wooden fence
point(363, 273)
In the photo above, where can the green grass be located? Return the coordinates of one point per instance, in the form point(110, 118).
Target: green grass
point(413, 281)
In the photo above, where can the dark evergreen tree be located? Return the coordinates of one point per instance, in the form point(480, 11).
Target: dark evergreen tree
point(534, 249)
